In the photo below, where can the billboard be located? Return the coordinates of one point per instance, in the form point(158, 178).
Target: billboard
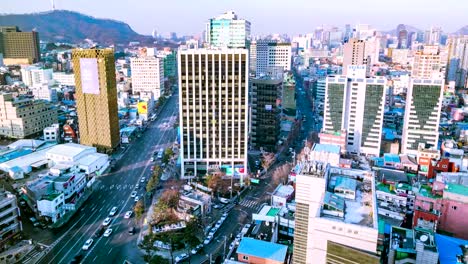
point(142, 108)
point(89, 75)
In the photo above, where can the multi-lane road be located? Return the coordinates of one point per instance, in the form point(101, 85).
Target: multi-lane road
point(114, 189)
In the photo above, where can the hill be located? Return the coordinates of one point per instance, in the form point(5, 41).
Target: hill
point(462, 31)
point(408, 27)
point(73, 27)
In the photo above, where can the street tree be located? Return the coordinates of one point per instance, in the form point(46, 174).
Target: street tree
point(170, 198)
point(139, 209)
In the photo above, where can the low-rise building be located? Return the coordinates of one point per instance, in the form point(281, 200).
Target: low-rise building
point(282, 195)
point(10, 223)
point(66, 79)
point(23, 116)
point(334, 138)
point(326, 153)
point(412, 246)
point(198, 202)
point(255, 251)
point(51, 133)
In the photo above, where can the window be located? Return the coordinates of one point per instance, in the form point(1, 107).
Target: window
point(454, 207)
point(245, 257)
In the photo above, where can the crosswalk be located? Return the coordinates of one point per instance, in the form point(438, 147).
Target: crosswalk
point(251, 203)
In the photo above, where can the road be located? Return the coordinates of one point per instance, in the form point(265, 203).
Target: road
point(111, 190)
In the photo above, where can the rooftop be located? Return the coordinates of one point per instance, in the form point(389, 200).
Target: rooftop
point(360, 207)
point(68, 149)
point(283, 191)
point(262, 249)
point(50, 196)
point(388, 157)
point(457, 189)
point(449, 248)
point(311, 168)
point(426, 191)
point(327, 148)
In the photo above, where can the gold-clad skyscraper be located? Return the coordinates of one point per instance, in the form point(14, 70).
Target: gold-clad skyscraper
point(96, 98)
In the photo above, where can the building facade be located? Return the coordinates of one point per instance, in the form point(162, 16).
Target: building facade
point(96, 98)
point(19, 47)
point(227, 30)
point(147, 75)
point(22, 116)
point(427, 64)
point(9, 217)
point(457, 68)
point(213, 112)
point(272, 58)
point(356, 104)
point(354, 53)
point(265, 117)
point(422, 113)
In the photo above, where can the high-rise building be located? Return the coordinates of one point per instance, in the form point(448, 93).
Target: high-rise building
point(147, 75)
point(402, 35)
point(457, 68)
point(253, 58)
point(19, 47)
point(422, 113)
point(96, 98)
point(265, 118)
point(356, 103)
point(288, 97)
point(33, 76)
point(433, 36)
point(213, 110)
point(354, 53)
point(23, 116)
point(336, 215)
point(227, 30)
point(272, 57)
point(427, 63)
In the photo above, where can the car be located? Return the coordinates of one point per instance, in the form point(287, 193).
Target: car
point(108, 232)
point(143, 180)
point(137, 186)
point(99, 232)
point(133, 194)
point(218, 224)
point(137, 198)
point(113, 211)
point(128, 214)
point(87, 244)
point(225, 214)
point(196, 249)
point(216, 206)
point(131, 230)
point(107, 221)
point(181, 257)
point(76, 259)
point(232, 245)
point(206, 241)
point(223, 218)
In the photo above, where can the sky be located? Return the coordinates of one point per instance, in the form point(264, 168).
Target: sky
point(188, 17)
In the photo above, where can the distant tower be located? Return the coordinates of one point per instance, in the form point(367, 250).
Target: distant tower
point(53, 4)
point(402, 35)
point(154, 34)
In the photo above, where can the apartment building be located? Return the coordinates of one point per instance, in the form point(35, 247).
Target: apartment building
point(9, 217)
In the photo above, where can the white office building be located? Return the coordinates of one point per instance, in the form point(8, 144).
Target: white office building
point(272, 58)
point(422, 114)
point(336, 215)
point(356, 103)
point(147, 75)
point(427, 63)
point(213, 110)
point(44, 92)
point(33, 76)
point(227, 30)
point(66, 79)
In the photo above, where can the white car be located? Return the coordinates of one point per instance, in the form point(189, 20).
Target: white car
point(137, 185)
point(113, 211)
point(196, 249)
point(181, 257)
point(142, 180)
point(207, 241)
point(108, 232)
point(133, 194)
point(87, 244)
point(137, 198)
point(107, 221)
point(128, 214)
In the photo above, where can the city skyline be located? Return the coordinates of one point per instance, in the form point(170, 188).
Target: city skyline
point(420, 14)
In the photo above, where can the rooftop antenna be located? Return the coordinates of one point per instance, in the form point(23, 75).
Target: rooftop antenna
point(53, 4)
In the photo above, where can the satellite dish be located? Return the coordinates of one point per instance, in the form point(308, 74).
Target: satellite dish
point(423, 238)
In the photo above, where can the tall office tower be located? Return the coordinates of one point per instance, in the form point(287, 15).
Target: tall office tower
point(227, 30)
point(288, 97)
point(354, 54)
point(272, 57)
point(427, 63)
point(422, 114)
point(265, 118)
point(336, 220)
point(356, 103)
point(96, 98)
point(402, 35)
point(348, 32)
point(147, 75)
point(457, 68)
point(253, 58)
point(19, 47)
point(213, 110)
point(433, 36)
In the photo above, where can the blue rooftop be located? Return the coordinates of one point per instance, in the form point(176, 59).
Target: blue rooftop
point(449, 248)
point(262, 249)
point(327, 148)
point(389, 157)
point(345, 183)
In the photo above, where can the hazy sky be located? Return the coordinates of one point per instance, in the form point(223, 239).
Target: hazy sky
point(266, 16)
